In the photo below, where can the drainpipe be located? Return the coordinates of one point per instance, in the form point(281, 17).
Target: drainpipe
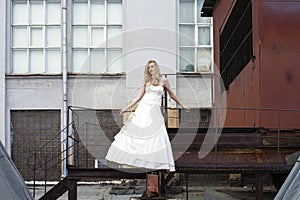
point(65, 86)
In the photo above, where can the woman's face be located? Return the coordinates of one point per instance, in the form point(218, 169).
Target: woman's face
point(151, 68)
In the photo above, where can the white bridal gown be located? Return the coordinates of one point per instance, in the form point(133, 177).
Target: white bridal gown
point(143, 141)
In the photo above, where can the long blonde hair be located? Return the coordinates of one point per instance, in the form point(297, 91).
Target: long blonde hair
point(155, 78)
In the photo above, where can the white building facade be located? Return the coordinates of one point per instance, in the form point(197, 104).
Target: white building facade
point(92, 53)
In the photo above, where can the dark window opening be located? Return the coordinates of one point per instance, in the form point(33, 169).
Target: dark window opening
point(236, 42)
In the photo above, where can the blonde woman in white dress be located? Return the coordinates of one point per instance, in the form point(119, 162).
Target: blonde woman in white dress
point(143, 141)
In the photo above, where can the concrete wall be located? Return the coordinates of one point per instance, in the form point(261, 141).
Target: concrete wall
point(150, 32)
point(195, 92)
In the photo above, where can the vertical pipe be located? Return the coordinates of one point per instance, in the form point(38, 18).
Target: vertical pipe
point(65, 74)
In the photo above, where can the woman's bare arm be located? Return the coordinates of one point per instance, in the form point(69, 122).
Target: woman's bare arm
point(166, 84)
point(135, 101)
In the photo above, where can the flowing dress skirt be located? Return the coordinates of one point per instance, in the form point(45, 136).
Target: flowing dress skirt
point(143, 141)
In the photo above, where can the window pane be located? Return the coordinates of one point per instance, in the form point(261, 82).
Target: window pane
point(187, 11)
point(204, 35)
point(19, 61)
point(187, 35)
point(53, 13)
point(97, 12)
point(53, 37)
point(199, 18)
point(20, 37)
point(114, 60)
point(80, 36)
point(187, 57)
point(19, 13)
point(97, 61)
point(80, 13)
point(97, 36)
point(53, 61)
point(79, 60)
point(205, 20)
point(36, 61)
point(36, 36)
point(204, 59)
point(36, 12)
point(114, 36)
point(114, 13)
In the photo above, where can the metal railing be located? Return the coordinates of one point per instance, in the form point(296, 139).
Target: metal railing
point(81, 136)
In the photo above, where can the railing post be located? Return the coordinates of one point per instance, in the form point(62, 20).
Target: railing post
point(166, 105)
point(259, 195)
point(187, 185)
point(45, 176)
point(72, 187)
point(34, 174)
point(216, 137)
point(278, 140)
point(87, 145)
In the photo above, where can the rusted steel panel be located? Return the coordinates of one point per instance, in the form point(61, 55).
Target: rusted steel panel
point(272, 78)
point(239, 161)
point(152, 183)
point(280, 73)
point(244, 90)
point(237, 149)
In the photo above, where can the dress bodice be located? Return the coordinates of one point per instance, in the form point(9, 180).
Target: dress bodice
point(153, 94)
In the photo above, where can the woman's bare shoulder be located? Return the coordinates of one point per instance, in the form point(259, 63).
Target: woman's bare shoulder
point(164, 81)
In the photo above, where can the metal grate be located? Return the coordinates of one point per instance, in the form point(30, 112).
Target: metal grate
point(236, 42)
point(30, 130)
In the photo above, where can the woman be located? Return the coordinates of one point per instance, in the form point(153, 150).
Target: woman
point(143, 141)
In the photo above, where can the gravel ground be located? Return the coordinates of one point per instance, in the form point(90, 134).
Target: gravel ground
point(94, 191)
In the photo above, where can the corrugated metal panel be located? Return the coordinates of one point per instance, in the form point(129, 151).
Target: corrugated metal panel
point(291, 187)
point(12, 185)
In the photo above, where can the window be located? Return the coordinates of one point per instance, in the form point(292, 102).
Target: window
point(236, 42)
point(96, 36)
point(36, 36)
point(195, 38)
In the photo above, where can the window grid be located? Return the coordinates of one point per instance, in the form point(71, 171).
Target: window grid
point(196, 23)
point(87, 65)
point(31, 30)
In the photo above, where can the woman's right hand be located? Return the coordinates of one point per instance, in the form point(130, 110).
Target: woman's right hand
point(187, 109)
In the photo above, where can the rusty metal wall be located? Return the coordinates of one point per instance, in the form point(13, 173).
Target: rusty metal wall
point(280, 54)
point(272, 78)
point(243, 91)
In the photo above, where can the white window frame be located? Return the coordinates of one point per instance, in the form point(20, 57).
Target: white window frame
point(196, 25)
point(29, 47)
point(90, 47)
